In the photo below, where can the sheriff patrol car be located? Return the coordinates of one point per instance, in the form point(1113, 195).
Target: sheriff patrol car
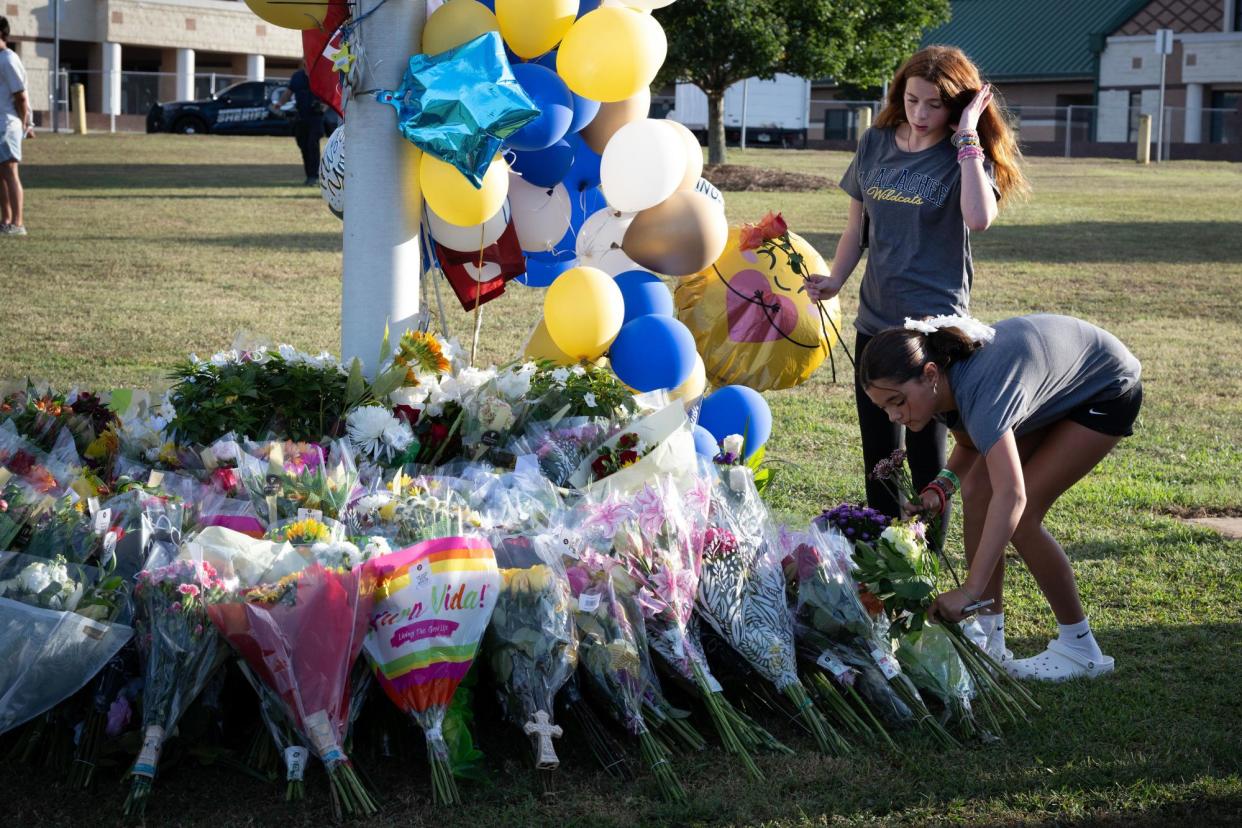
point(242, 109)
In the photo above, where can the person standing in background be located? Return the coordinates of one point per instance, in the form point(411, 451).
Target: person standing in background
point(18, 124)
point(308, 127)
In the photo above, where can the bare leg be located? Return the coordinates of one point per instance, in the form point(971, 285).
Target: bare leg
point(6, 213)
point(13, 191)
point(1063, 458)
point(976, 495)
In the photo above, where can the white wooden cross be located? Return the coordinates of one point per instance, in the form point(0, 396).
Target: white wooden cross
point(543, 727)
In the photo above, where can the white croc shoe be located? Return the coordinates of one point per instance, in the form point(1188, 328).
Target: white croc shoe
point(1058, 663)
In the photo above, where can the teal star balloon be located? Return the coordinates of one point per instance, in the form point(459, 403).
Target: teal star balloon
point(461, 104)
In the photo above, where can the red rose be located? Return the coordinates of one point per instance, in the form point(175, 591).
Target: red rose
point(408, 413)
point(225, 480)
point(628, 458)
point(773, 226)
point(873, 605)
point(628, 441)
point(600, 467)
point(438, 433)
point(22, 463)
point(749, 237)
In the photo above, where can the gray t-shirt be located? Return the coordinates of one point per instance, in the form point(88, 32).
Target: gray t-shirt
point(1037, 370)
point(918, 257)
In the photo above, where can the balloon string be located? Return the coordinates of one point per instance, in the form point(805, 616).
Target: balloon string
point(478, 297)
point(824, 315)
point(769, 311)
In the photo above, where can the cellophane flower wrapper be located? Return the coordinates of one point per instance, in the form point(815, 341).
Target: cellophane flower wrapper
point(429, 506)
point(236, 514)
point(667, 434)
point(180, 650)
point(930, 659)
point(300, 636)
point(510, 499)
point(433, 601)
point(290, 745)
point(128, 524)
point(532, 645)
point(559, 446)
point(281, 477)
point(742, 592)
point(612, 649)
point(58, 628)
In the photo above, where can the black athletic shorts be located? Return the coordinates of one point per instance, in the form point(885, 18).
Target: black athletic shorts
point(1114, 417)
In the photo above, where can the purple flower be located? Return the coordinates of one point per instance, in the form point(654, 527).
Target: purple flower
point(119, 714)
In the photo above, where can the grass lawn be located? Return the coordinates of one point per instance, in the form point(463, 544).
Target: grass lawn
point(143, 248)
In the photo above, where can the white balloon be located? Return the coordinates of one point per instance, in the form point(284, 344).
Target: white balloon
point(540, 215)
point(469, 239)
point(708, 189)
point(643, 163)
point(332, 172)
point(599, 242)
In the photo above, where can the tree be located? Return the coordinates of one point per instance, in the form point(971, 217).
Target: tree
point(716, 43)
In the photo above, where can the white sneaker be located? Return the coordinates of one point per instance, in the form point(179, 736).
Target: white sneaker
point(13, 230)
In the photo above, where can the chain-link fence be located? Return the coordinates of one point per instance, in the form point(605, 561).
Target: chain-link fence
point(1078, 131)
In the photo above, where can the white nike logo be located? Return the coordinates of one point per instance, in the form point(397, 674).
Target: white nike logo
point(1096, 413)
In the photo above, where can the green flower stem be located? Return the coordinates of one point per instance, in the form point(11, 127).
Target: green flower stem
point(715, 703)
point(826, 738)
point(657, 759)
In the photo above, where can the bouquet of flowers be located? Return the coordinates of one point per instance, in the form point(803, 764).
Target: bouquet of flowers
point(899, 570)
point(654, 534)
point(252, 392)
point(613, 652)
point(660, 443)
point(41, 415)
point(283, 477)
point(742, 595)
point(60, 623)
point(432, 603)
point(532, 645)
point(300, 638)
point(181, 651)
point(560, 446)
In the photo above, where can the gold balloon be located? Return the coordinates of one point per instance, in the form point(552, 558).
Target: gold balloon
point(694, 386)
point(583, 310)
point(751, 323)
point(290, 15)
point(694, 155)
point(681, 235)
point(452, 197)
point(613, 116)
point(611, 53)
point(455, 23)
point(533, 27)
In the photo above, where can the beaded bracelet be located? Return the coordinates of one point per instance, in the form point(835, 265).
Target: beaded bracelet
point(965, 137)
point(947, 474)
point(968, 152)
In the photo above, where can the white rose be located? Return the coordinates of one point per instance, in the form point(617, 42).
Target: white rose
point(738, 478)
point(35, 578)
point(495, 415)
point(733, 445)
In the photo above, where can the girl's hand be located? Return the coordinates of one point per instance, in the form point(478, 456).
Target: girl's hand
point(927, 504)
point(974, 110)
point(821, 288)
point(948, 606)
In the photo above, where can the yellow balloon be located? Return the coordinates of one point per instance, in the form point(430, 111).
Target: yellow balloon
point(583, 310)
point(455, 23)
point(694, 386)
point(453, 198)
point(541, 346)
point(750, 322)
point(533, 27)
point(290, 15)
point(611, 53)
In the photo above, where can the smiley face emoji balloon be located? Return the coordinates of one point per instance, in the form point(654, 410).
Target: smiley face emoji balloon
point(751, 321)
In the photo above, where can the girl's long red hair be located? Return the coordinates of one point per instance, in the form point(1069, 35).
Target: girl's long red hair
point(958, 80)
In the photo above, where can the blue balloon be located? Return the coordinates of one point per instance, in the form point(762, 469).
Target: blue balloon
point(461, 104)
point(546, 60)
point(545, 167)
point(584, 174)
point(736, 409)
point(585, 111)
point(584, 6)
point(555, 103)
point(653, 352)
point(584, 204)
point(704, 443)
point(542, 272)
point(644, 294)
point(491, 4)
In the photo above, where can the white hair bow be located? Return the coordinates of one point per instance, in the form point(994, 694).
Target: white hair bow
point(973, 328)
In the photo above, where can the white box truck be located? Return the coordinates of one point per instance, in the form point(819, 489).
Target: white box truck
point(777, 111)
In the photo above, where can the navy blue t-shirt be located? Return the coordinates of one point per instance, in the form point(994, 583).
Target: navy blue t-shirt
point(308, 106)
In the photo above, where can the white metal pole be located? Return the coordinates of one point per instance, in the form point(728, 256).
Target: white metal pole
point(382, 205)
point(56, 65)
point(745, 95)
point(1164, 60)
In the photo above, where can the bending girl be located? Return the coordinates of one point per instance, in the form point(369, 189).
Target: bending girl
point(1034, 404)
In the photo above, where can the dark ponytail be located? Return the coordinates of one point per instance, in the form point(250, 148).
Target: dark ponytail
point(899, 354)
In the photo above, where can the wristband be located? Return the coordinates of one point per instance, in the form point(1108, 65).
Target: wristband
point(946, 474)
point(965, 136)
point(941, 496)
point(966, 153)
